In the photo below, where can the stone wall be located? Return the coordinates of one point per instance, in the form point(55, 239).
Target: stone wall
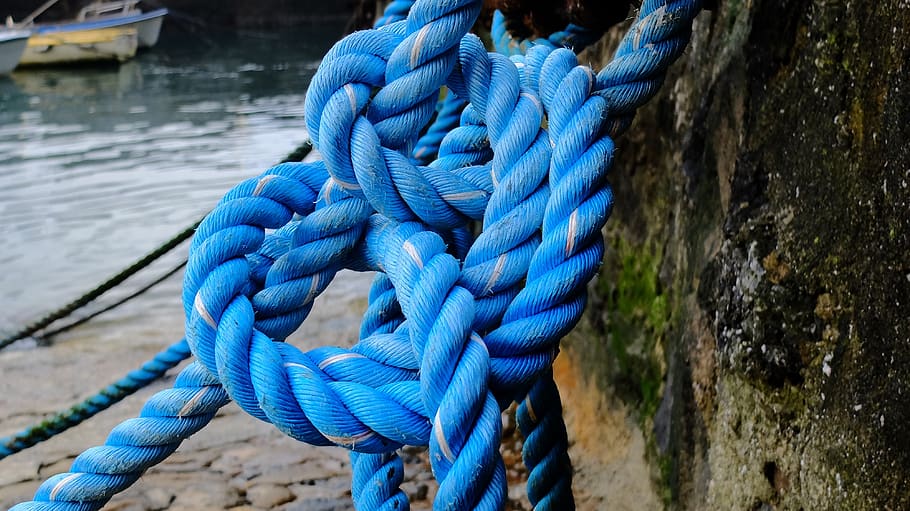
point(748, 342)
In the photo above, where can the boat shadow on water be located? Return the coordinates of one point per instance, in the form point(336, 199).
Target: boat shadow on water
point(91, 80)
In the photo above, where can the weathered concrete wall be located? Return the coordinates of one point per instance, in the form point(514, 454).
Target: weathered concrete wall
point(749, 329)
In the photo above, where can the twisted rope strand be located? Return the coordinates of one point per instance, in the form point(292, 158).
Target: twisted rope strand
point(545, 449)
point(376, 480)
point(454, 364)
point(447, 119)
point(365, 139)
point(168, 418)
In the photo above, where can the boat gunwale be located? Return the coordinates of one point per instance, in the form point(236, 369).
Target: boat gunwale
point(112, 22)
point(14, 35)
point(83, 37)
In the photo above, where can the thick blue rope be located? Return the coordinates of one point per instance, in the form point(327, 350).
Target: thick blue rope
point(448, 108)
point(219, 287)
point(507, 104)
point(369, 486)
point(134, 445)
point(559, 498)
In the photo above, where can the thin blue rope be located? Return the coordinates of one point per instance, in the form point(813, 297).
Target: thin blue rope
point(545, 449)
point(376, 480)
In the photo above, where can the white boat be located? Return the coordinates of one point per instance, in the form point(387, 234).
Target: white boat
point(103, 44)
point(119, 14)
point(12, 44)
point(103, 15)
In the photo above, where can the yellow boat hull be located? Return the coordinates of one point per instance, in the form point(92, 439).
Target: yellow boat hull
point(112, 44)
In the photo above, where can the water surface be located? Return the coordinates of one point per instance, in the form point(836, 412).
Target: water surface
point(100, 165)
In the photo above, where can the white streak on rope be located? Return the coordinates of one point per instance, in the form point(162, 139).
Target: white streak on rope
point(63, 482)
point(338, 358)
point(352, 97)
point(534, 100)
point(264, 180)
point(188, 407)
point(200, 308)
point(476, 338)
point(350, 441)
point(573, 230)
point(412, 251)
point(313, 291)
point(497, 272)
point(418, 44)
point(530, 409)
point(449, 197)
point(441, 438)
point(658, 14)
point(592, 79)
point(345, 185)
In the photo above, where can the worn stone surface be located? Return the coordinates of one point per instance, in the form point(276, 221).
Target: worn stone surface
point(750, 318)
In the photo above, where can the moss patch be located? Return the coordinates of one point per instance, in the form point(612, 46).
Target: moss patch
point(635, 319)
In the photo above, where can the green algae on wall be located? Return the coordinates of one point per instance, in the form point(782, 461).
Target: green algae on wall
point(636, 320)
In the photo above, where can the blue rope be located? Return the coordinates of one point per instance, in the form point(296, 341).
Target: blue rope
point(466, 146)
point(447, 119)
point(573, 37)
point(134, 445)
point(448, 109)
point(449, 342)
point(376, 480)
point(102, 400)
point(396, 10)
point(546, 444)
